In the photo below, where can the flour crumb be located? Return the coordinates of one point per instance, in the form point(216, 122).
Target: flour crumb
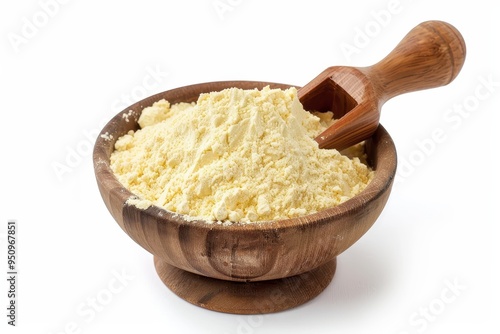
point(127, 115)
point(139, 203)
point(106, 136)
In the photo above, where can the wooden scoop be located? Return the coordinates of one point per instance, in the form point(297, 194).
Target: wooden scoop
point(430, 55)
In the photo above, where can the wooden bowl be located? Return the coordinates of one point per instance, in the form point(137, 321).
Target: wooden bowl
point(242, 268)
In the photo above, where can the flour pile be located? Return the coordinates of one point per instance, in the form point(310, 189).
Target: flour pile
point(235, 155)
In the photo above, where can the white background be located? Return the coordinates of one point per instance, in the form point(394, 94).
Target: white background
point(63, 79)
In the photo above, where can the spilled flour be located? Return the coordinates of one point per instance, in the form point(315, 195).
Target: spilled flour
point(237, 155)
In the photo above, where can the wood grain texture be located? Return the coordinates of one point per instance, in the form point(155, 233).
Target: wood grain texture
point(430, 55)
point(246, 297)
point(242, 252)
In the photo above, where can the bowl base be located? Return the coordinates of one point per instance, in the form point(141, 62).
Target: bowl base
point(246, 297)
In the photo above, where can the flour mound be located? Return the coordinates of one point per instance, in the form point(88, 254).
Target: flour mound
point(236, 155)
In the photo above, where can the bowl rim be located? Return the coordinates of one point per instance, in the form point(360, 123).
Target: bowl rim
point(381, 142)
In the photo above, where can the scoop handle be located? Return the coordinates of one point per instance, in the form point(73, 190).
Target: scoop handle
point(430, 55)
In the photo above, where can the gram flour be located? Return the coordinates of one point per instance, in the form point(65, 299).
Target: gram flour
point(235, 155)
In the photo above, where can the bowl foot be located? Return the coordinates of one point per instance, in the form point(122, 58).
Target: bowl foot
point(246, 297)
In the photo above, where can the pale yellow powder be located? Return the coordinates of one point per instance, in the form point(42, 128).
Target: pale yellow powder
point(237, 155)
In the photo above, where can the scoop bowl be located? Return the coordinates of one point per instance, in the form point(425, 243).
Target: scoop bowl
point(243, 268)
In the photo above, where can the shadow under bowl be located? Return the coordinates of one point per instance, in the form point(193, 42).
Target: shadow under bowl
point(242, 268)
